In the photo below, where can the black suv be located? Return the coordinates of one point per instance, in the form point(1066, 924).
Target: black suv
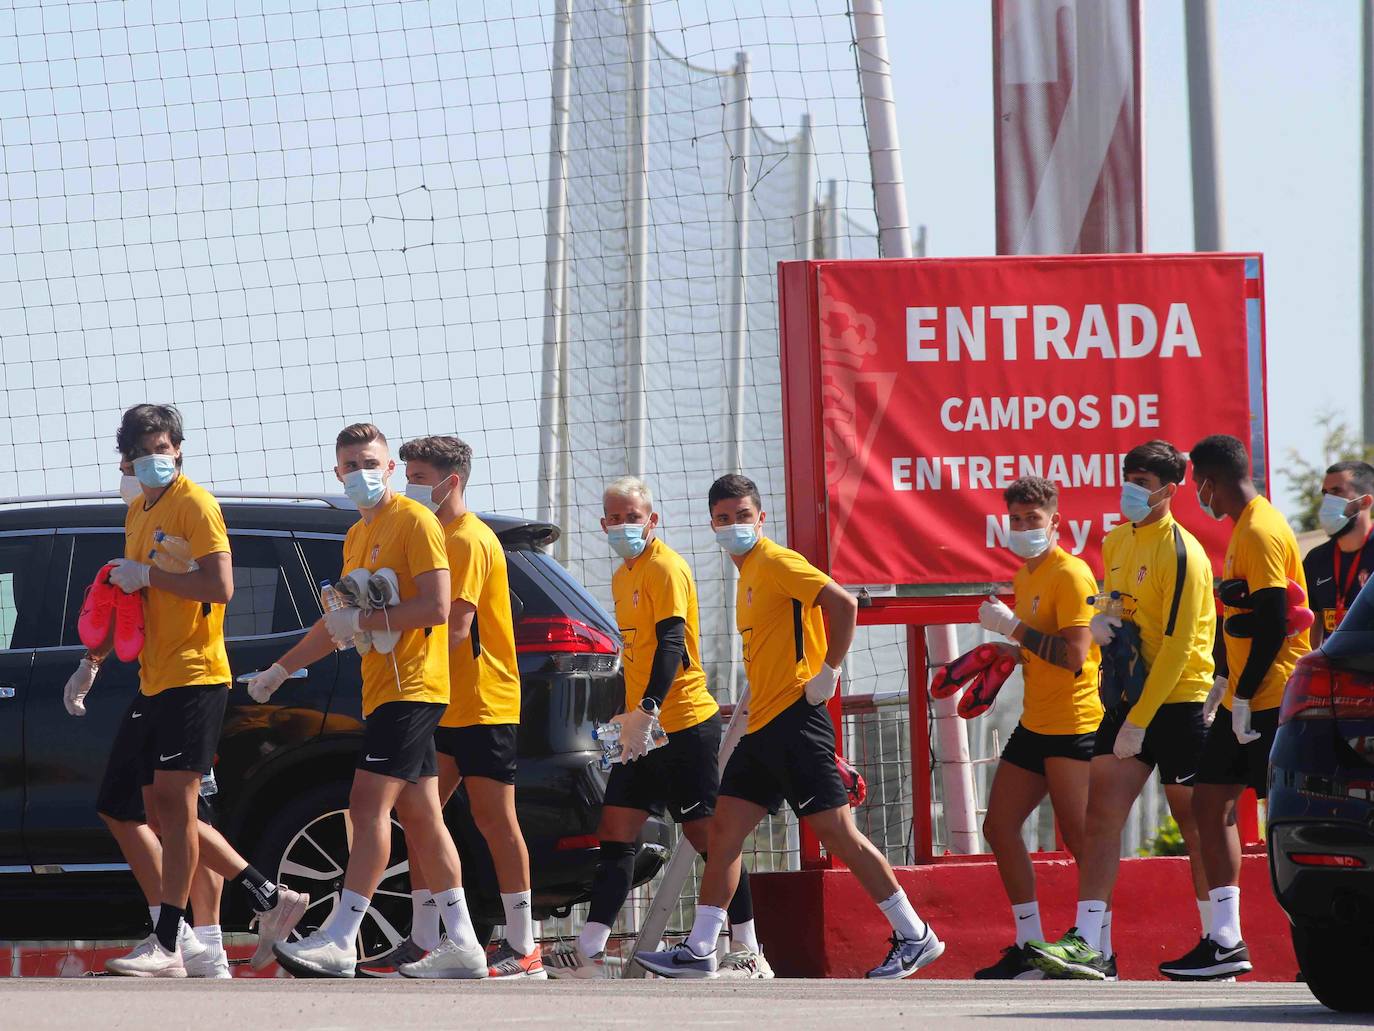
point(283, 769)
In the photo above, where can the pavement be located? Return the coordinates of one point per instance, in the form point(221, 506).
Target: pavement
point(38, 1004)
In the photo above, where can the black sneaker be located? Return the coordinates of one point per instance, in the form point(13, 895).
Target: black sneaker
point(1111, 968)
point(1208, 961)
point(1014, 965)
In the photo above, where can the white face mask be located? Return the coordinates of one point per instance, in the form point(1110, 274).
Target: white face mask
point(425, 495)
point(1029, 544)
point(1331, 516)
point(130, 489)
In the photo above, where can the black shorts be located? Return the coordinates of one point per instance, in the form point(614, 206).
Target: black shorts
point(120, 795)
point(681, 778)
point(1173, 740)
point(398, 740)
point(1029, 750)
point(483, 750)
point(791, 759)
point(1226, 761)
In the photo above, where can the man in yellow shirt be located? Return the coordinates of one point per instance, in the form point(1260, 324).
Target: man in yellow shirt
point(405, 691)
point(656, 610)
point(782, 605)
point(1261, 558)
point(476, 736)
point(1163, 581)
point(167, 738)
point(1051, 747)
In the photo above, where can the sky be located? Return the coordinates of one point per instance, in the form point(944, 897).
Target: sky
point(1288, 81)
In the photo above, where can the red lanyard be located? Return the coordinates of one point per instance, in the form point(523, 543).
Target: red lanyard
point(1343, 589)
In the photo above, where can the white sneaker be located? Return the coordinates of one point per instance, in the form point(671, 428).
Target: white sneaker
point(744, 964)
point(277, 923)
point(315, 956)
point(570, 962)
point(148, 959)
point(210, 962)
point(449, 960)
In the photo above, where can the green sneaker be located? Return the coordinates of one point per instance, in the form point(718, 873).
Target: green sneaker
point(1069, 958)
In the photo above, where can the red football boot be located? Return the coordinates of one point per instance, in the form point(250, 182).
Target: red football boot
point(128, 636)
point(978, 699)
point(97, 611)
point(952, 676)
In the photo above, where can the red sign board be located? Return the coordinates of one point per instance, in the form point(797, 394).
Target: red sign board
point(916, 390)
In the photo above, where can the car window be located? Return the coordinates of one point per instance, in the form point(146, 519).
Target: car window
point(90, 551)
point(14, 558)
point(323, 559)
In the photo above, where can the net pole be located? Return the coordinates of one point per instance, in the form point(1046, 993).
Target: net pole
point(551, 418)
point(806, 192)
point(637, 225)
point(739, 131)
point(880, 117)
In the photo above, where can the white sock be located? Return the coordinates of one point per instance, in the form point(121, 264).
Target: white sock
point(346, 921)
point(743, 933)
point(1104, 936)
point(1089, 921)
point(1028, 929)
point(519, 921)
point(1226, 916)
point(706, 930)
point(1204, 912)
point(593, 938)
point(424, 919)
point(184, 931)
point(902, 916)
point(453, 911)
point(209, 935)
point(154, 912)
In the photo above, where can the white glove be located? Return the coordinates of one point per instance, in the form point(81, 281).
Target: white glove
point(1130, 739)
point(262, 686)
point(821, 688)
point(79, 685)
point(129, 576)
point(1103, 628)
point(1214, 696)
point(343, 624)
point(994, 616)
point(1240, 721)
point(636, 734)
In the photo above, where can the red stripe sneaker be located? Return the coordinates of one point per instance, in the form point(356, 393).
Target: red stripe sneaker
point(128, 635)
point(978, 699)
point(950, 677)
point(97, 611)
point(506, 962)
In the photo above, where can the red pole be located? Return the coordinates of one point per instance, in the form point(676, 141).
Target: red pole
point(917, 707)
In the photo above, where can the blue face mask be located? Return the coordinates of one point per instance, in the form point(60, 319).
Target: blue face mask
point(738, 538)
point(155, 470)
point(1029, 544)
point(1135, 502)
point(365, 487)
point(1207, 508)
point(1331, 516)
point(627, 539)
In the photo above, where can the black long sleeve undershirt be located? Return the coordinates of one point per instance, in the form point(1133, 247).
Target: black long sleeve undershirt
point(1269, 624)
point(669, 656)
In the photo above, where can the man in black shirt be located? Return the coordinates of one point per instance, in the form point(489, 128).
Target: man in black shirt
point(1337, 568)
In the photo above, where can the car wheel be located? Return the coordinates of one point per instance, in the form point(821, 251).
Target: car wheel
point(1335, 965)
point(307, 843)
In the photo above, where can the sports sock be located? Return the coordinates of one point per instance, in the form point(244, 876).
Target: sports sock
point(706, 930)
point(1104, 936)
point(169, 926)
point(153, 912)
point(262, 893)
point(347, 919)
point(424, 919)
point(1226, 916)
point(1027, 918)
point(1204, 914)
point(902, 916)
point(453, 911)
point(593, 938)
point(744, 933)
point(519, 921)
point(615, 871)
point(1089, 921)
point(210, 935)
point(741, 907)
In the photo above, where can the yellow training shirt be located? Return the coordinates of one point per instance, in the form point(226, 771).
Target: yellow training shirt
point(404, 537)
point(1049, 599)
point(656, 587)
point(781, 627)
point(483, 677)
point(1264, 553)
point(1141, 562)
point(183, 643)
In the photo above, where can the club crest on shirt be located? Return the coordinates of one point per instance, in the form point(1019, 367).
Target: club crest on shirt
point(1035, 604)
point(1140, 575)
point(634, 599)
point(749, 596)
point(1364, 577)
point(376, 551)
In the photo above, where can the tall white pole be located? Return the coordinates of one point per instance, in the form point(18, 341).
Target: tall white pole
point(738, 133)
point(551, 415)
point(831, 227)
point(880, 116)
point(1367, 213)
point(637, 226)
point(805, 232)
point(1200, 21)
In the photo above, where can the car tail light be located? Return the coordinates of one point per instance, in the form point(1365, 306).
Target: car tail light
point(1326, 859)
point(1319, 691)
point(573, 646)
point(577, 842)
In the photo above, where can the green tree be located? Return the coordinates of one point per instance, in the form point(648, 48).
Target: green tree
point(1339, 444)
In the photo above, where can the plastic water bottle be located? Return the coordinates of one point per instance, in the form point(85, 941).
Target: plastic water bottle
point(608, 735)
point(208, 785)
point(172, 554)
point(331, 601)
point(1109, 604)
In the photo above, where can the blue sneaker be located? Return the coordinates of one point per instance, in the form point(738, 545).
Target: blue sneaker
point(908, 955)
point(679, 961)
